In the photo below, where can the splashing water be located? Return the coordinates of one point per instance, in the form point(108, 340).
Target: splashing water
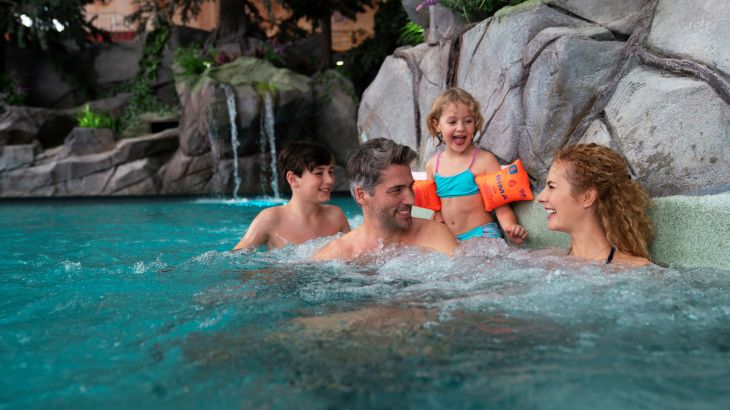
point(140, 303)
point(267, 139)
point(231, 104)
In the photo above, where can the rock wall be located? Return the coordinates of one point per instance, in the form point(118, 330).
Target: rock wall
point(646, 77)
point(196, 158)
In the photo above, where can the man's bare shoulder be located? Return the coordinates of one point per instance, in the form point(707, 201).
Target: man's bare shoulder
point(340, 248)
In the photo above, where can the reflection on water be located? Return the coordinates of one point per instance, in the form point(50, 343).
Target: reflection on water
point(106, 311)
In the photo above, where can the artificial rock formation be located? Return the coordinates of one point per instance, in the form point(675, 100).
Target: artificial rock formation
point(645, 77)
point(195, 158)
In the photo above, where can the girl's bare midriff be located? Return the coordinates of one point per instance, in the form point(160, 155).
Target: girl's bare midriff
point(464, 213)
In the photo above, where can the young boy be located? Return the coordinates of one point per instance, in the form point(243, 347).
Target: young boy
point(307, 167)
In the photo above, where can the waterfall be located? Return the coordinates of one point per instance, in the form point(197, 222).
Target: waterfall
point(231, 104)
point(266, 138)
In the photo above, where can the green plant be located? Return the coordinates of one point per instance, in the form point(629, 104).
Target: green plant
point(143, 97)
point(411, 34)
point(12, 94)
point(478, 10)
point(190, 62)
point(265, 87)
point(88, 118)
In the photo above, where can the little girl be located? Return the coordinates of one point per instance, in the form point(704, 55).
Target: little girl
point(453, 121)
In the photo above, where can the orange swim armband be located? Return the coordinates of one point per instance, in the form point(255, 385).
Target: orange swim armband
point(502, 187)
point(425, 193)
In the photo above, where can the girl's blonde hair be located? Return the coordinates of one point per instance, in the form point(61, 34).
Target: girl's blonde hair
point(452, 96)
point(621, 203)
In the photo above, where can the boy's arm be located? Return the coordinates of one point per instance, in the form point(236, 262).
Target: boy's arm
point(258, 232)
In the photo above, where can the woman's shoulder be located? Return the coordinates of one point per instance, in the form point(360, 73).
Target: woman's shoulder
point(632, 260)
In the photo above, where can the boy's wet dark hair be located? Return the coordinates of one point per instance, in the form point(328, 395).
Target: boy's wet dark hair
point(297, 156)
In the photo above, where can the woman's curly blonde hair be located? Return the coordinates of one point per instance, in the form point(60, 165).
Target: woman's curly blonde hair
point(621, 203)
point(451, 96)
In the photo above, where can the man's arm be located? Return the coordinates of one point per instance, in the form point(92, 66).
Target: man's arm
point(258, 232)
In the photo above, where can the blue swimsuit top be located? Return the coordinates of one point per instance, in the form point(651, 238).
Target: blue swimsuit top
point(461, 184)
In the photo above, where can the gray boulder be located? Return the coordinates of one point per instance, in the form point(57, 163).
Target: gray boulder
point(17, 156)
point(598, 133)
point(84, 141)
point(186, 175)
point(135, 178)
point(559, 90)
point(490, 64)
point(420, 17)
point(673, 131)
point(388, 105)
point(87, 174)
point(700, 35)
point(24, 125)
point(443, 24)
point(616, 15)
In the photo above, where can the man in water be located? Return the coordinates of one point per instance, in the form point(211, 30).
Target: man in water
point(382, 184)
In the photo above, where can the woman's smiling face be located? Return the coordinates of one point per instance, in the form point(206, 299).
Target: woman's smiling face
point(563, 208)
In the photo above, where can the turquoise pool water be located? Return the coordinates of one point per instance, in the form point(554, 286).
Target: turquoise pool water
point(138, 304)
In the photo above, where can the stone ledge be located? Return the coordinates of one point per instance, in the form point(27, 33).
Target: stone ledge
point(689, 231)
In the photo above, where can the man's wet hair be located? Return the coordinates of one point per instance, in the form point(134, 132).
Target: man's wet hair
point(297, 156)
point(366, 164)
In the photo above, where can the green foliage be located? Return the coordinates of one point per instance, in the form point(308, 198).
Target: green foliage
point(143, 97)
point(190, 62)
point(265, 87)
point(327, 83)
point(10, 91)
point(160, 13)
point(411, 34)
point(363, 62)
point(314, 10)
point(46, 17)
point(89, 118)
point(478, 10)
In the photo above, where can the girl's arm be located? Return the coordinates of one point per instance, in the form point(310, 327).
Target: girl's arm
point(429, 174)
point(508, 220)
point(485, 163)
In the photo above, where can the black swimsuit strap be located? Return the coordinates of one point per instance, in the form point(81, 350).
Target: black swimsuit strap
point(610, 255)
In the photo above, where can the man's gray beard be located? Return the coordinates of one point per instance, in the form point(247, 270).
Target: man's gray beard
point(389, 222)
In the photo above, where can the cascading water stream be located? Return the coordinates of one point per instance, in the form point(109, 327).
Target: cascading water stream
point(231, 104)
point(267, 138)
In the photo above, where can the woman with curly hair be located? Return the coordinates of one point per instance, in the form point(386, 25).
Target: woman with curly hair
point(590, 196)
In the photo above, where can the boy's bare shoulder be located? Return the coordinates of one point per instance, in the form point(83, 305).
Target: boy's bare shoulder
point(269, 217)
